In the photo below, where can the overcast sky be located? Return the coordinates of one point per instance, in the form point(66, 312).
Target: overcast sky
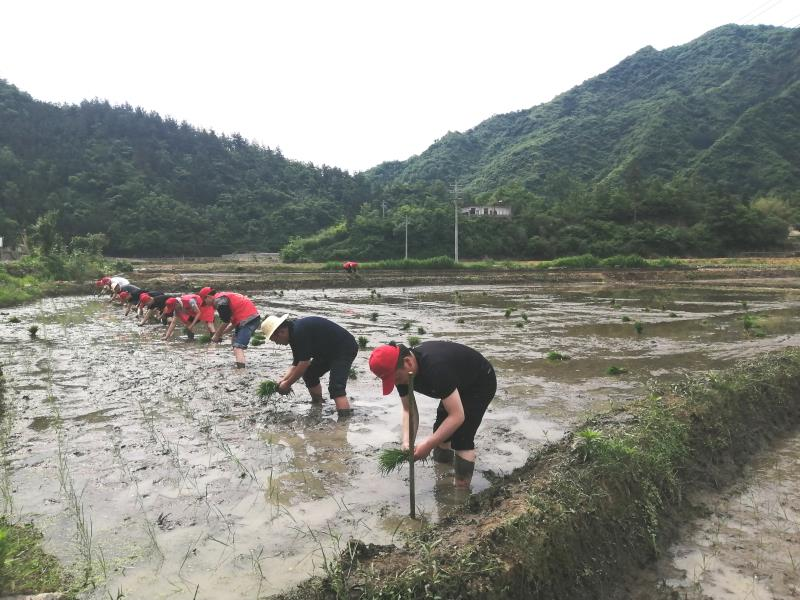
point(347, 83)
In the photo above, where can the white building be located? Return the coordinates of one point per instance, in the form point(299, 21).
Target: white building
point(495, 210)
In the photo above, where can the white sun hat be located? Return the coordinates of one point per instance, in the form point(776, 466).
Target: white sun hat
point(271, 323)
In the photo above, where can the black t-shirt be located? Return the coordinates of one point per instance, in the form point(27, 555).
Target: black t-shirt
point(159, 302)
point(223, 306)
point(321, 339)
point(132, 290)
point(448, 366)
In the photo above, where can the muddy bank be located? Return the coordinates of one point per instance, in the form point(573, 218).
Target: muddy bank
point(583, 512)
point(248, 278)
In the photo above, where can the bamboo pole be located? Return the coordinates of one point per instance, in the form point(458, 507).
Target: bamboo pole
point(413, 422)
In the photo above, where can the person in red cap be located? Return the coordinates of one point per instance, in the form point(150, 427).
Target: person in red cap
point(350, 266)
point(462, 379)
point(154, 302)
point(102, 285)
point(185, 309)
point(237, 312)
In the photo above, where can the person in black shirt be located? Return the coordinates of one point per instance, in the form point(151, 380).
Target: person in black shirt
point(154, 303)
point(462, 379)
point(318, 346)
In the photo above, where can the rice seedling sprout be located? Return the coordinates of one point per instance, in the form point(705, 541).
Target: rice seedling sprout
point(555, 356)
point(413, 340)
point(362, 342)
point(267, 389)
point(392, 458)
point(32, 330)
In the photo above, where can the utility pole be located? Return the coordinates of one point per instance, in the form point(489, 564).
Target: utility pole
point(406, 237)
point(383, 208)
point(456, 198)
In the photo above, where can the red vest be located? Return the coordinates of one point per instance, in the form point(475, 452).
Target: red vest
point(186, 301)
point(241, 307)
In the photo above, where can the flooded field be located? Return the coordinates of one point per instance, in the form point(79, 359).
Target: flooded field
point(154, 467)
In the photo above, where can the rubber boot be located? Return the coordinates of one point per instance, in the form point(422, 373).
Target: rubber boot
point(443, 455)
point(463, 470)
point(239, 365)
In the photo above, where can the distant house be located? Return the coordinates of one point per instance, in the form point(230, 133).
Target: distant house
point(495, 210)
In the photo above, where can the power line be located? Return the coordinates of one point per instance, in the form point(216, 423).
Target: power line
point(773, 4)
point(750, 15)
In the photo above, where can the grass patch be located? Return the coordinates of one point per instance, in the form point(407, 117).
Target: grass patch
point(24, 567)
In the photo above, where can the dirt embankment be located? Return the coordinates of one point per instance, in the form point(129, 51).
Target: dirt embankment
point(583, 512)
point(180, 277)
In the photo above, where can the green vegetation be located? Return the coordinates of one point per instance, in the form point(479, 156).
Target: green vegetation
point(556, 356)
point(362, 342)
point(609, 168)
point(267, 389)
point(33, 330)
point(392, 458)
point(413, 340)
point(613, 370)
point(638, 327)
point(24, 566)
point(353, 373)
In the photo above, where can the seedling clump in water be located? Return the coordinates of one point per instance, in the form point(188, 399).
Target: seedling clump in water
point(362, 342)
point(553, 355)
point(32, 330)
point(267, 389)
point(392, 458)
point(413, 340)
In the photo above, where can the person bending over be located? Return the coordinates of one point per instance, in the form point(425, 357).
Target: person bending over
point(318, 346)
point(237, 312)
point(462, 379)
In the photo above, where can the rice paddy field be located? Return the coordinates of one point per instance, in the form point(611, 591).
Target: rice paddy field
point(157, 470)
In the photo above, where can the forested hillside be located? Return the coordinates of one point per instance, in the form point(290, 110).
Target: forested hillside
point(725, 107)
point(693, 150)
point(155, 186)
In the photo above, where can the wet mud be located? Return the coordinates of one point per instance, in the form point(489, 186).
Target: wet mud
point(159, 461)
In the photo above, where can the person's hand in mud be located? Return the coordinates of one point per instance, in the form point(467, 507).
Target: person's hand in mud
point(284, 387)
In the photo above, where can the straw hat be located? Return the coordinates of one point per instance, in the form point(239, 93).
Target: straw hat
point(271, 323)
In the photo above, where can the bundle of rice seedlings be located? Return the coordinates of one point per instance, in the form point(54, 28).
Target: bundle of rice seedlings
point(257, 341)
point(32, 330)
point(205, 338)
point(392, 458)
point(267, 389)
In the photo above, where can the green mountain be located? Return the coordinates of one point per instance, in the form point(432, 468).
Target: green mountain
point(154, 186)
point(724, 108)
point(693, 150)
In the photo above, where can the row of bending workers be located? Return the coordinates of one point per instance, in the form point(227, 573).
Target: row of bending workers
point(461, 378)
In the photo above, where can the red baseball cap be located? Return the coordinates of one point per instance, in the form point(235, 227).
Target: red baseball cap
point(123, 295)
point(205, 292)
point(105, 280)
point(383, 362)
point(169, 305)
point(99, 283)
point(144, 298)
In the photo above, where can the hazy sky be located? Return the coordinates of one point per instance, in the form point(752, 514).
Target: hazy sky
point(347, 83)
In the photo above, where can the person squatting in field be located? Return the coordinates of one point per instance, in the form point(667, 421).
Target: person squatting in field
point(318, 346)
point(462, 379)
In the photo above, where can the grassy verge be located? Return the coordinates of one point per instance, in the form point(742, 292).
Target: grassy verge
point(583, 512)
point(24, 567)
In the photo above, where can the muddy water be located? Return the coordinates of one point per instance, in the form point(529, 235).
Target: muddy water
point(158, 460)
point(748, 546)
